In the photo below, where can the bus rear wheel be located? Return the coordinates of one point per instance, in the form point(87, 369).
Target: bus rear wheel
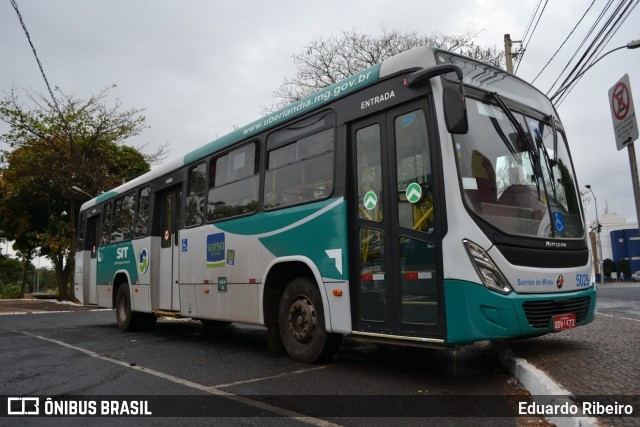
point(302, 324)
point(127, 319)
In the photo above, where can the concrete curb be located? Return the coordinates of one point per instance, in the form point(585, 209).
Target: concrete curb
point(540, 384)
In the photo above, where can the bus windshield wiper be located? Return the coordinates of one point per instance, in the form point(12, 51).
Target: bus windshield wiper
point(550, 162)
point(554, 161)
point(529, 145)
point(516, 124)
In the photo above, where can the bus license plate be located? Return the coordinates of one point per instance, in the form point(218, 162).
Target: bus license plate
point(564, 321)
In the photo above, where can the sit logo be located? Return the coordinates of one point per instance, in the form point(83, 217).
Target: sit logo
point(121, 253)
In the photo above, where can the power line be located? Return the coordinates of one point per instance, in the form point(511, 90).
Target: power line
point(586, 37)
point(524, 46)
point(520, 50)
point(533, 16)
point(44, 76)
point(590, 57)
point(563, 43)
point(584, 40)
point(594, 56)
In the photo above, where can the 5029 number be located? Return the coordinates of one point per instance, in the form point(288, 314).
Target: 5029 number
point(583, 280)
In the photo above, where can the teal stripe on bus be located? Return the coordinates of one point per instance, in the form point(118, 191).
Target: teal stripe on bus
point(357, 81)
point(306, 230)
point(271, 221)
point(106, 196)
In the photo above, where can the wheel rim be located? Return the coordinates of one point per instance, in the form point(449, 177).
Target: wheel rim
point(301, 319)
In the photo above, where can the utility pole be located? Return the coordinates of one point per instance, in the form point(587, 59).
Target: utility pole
point(507, 51)
point(634, 178)
point(625, 128)
point(597, 231)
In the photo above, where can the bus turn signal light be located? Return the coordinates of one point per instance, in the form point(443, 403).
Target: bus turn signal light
point(337, 292)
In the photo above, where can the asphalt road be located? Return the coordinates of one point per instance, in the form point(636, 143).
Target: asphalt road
point(181, 372)
point(185, 372)
point(621, 300)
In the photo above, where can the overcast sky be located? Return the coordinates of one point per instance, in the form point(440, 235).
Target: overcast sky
point(200, 67)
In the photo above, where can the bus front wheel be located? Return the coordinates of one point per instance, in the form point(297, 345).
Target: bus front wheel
point(302, 323)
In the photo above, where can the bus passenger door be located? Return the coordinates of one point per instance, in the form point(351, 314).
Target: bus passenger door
point(90, 291)
point(397, 274)
point(169, 279)
point(85, 274)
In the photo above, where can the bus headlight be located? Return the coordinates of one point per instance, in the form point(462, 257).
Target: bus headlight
point(489, 273)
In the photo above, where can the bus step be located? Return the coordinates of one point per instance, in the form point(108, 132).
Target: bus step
point(164, 313)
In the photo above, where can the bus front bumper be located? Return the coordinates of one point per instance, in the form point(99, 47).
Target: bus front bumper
point(474, 313)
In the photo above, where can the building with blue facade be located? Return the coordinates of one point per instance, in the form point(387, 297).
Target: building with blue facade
point(619, 239)
point(625, 244)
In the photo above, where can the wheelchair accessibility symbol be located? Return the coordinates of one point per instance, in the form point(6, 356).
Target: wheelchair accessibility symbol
point(558, 220)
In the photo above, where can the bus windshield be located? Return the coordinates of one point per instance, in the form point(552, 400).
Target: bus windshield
point(516, 173)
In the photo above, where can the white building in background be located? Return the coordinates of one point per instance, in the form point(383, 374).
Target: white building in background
point(610, 222)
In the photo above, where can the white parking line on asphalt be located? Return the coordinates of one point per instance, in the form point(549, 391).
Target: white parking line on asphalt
point(619, 317)
point(282, 375)
point(201, 387)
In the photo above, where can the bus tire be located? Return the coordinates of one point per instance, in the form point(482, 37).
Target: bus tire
point(124, 315)
point(130, 320)
point(302, 323)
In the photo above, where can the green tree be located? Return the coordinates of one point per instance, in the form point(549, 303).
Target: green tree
point(326, 61)
point(20, 217)
point(609, 266)
point(55, 146)
point(624, 267)
point(10, 271)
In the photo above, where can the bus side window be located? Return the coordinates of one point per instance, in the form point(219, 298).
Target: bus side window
point(194, 202)
point(142, 219)
point(91, 236)
point(300, 165)
point(123, 215)
point(80, 232)
point(234, 179)
point(105, 233)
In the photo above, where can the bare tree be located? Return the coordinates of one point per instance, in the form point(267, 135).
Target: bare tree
point(327, 61)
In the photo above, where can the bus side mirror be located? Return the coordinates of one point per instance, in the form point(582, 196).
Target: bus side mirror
point(455, 110)
point(455, 107)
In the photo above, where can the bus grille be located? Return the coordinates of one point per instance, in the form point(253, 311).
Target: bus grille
point(544, 258)
point(539, 313)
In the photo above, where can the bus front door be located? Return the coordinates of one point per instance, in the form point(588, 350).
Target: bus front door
point(169, 279)
point(397, 277)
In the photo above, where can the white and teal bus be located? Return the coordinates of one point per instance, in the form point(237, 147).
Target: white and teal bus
point(429, 200)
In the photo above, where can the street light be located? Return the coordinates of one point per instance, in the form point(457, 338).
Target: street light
point(598, 228)
point(80, 190)
point(633, 44)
